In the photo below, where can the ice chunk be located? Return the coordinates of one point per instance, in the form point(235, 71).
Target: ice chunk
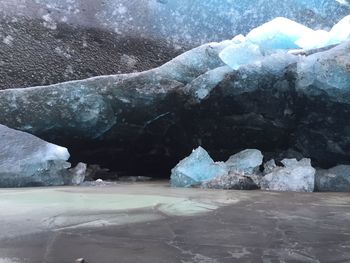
point(316, 39)
point(246, 162)
point(237, 55)
point(277, 62)
point(269, 166)
point(340, 32)
point(193, 63)
point(280, 33)
point(328, 70)
point(238, 39)
point(201, 87)
point(336, 179)
point(296, 176)
point(195, 169)
point(26, 160)
point(77, 174)
point(231, 181)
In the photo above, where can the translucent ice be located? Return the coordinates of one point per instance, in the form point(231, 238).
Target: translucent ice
point(340, 32)
point(237, 55)
point(296, 176)
point(327, 70)
point(336, 179)
point(197, 168)
point(246, 162)
point(26, 160)
point(321, 38)
point(316, 39)
point(280, 33)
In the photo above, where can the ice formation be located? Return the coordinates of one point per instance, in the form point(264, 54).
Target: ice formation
point(26, 160)
point(328, 70)
point(237, 55)
point(76, 175)
point(336, 179)
point(280, 34)
point(340, 32)
point(296, 176)
point(237, 173)
point(195, 169)
point(245, 162)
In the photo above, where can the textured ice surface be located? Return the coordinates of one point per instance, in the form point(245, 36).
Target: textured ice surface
point(195, 169)
point(237, 55)
point(327, 70)
point(201, 87)
point(193, 63)
point(76, 175)
point(246, 162)
point(269, 166)
point(26, 160)
point(280, 33)
point(296, 176)
point(336, 179)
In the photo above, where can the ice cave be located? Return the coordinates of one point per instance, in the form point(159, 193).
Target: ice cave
point(201, 131)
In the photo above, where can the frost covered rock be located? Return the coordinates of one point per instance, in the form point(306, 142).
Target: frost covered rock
point(245, 162)
point(237, 55)
point(232, 181)
point(336, 179)
point(197, 168)
point(26, 160)
point(280, 33)
point(296, 176)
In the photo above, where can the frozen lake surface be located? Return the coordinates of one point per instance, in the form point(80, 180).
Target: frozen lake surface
point(150, 222)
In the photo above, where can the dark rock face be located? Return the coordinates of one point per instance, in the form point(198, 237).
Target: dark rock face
point(144, 123)
point(49, 41)
point(34, 55)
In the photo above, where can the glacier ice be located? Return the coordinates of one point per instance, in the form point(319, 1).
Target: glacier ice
point(201, 87)
point(295, 176)
point(76, 175)
point(340, 32)
point(280, 33)
point(239, 172)
point(336, 179)
point(327, 70)
point(195, 169)
point(316, 39)
point(26, 160)
point(237, 55)
point(193, 63)
point(246, 162)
